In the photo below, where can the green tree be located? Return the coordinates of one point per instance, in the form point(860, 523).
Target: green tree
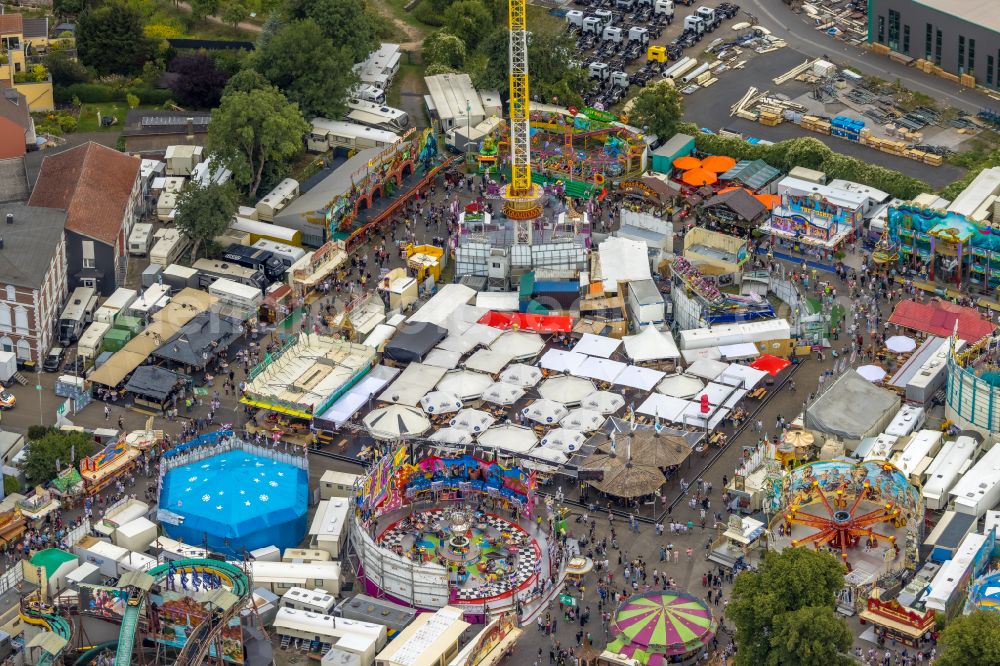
point(658, 107)
point(444, 48)
point(39, 464)
point(785, 582)
point(254, 128)
point(204, 212)
point(110, 39)
point(245, 81)
point(203, 8)
point(470, 20)
point(234, 12)
point(806, 151)
point(69, 7)
point(808, 636)
point(345, 22)
point(971, 640)
point(308, 68)
point(554, 77)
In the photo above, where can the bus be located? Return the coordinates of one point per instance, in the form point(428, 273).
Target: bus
point(378, 116)
point(79, 312)
point(255, 258)
point(343, 137)
point(287, 254)
point(210, 270)
point(258, 230)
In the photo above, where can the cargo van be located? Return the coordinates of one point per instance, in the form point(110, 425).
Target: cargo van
point(140, 239)
point(170, 245)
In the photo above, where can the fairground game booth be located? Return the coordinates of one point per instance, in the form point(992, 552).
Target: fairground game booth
point(448, 530)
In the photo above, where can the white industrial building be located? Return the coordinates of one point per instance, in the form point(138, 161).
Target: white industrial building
point(452, 100)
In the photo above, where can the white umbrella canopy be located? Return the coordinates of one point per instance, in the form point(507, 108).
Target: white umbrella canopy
point(680, 386)
point(583, 419)
point(872, 373)
point(473, 420)
point(605, 402)
point(566, 389)
point(521, 374)
point(519, 344)
point(546, 412)
point(396, 421)
point(509, 437)
point(564, 439)
point(502, 393)
point(440, 402)
point(451, 436)
point(900, 344)
point(466, 384)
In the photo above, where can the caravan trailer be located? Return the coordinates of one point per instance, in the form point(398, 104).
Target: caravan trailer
point(79, 312)
point(286, 254)
point(210, 270)
point(378, 116)
point(979, 489)
point(275, 200)
point(151, 301)
point(140, 239)
point(343, 137)
point(907, 420)
point(918, 454)
point(954, 460)
point(258, 230)
point(92, 341)
point(118, 301)
point(170, 245)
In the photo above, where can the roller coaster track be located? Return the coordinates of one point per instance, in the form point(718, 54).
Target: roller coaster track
point(198, 643)
point(54, 623)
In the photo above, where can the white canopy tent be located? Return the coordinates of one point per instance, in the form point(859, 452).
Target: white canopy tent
point(452, 436)
point(473, 420)
point(741, 375)
point(638, 377)
point(440, 402)
point(872, 373)
point(562, 361)
point(546, 412)
point(601, 369)
point(567, 389)
point(586, 420)
point(694, 355)
point(458, 343)
point(414, 382)
point(348, 404)
point(707, 368)
point(441, 358)
point(483, 334)
point(466, 384)
point(521, 374)
point(680, 386)
point(900, 344)
point(692, 416)
point(650, 344)
point(604, 402)
point(509, 437)
point(488, 361)
point(738, 352)
point(720, 394)
point(519, 344)
point(501, 393)
point(500, 301)
point(666, 407)
point(548, 454)
point(596, 345)
point(396, 421)
point(564, 439)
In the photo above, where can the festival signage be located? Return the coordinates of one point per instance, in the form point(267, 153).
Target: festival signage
point(489, 638)
point(107, 603)
point(178, 613)
point(435, 473)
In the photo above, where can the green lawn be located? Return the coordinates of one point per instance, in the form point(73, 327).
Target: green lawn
point(397, 8)
point(88, 116)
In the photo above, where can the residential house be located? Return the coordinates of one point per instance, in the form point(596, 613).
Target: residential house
point(36, 34)
point(15, 71)
point(32, 278)
point(99, 188)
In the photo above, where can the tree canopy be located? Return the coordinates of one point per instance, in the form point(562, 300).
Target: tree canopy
point(253, 128)
point(346, 22)
point(309, 68)
point(204, 212)
point(659, 107)
point(765, 605)
point(110, 40)
point(971, 640)
point(554, 77)
point(444, 49)
point(808, 636)
point(197, 81)
point(53, 445)
point(470, 20)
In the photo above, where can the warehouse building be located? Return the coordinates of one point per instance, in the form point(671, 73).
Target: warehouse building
point(452, 100)
point(959, 36)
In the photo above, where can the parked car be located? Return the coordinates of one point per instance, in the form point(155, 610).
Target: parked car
point(54, 360)
point(7, 399)
point(76, 367)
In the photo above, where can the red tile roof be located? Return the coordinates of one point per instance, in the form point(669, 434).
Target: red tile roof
point(11, 139)
point(939, 318)
point(11, 24)
point(92, 183)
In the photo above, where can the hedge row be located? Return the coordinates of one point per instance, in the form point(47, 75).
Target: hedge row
point(98, 93)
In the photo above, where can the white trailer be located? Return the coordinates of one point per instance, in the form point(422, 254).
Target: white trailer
point(275, 200)
point(118, 301)
point(950, 464)
point(154, 299)
point(170, 245)
point(979, 489)
point(288, 254)
point(140, 239)
point(908, 419)
point(881, 448)
point(731, 334)
point(339, 135)
point(918, 454)
point(90, 344)
point(645, 304)
point(238, 300)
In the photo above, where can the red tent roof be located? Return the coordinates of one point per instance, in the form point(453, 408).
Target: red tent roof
point(527, 322)
point(940, 318)
point(772, 365)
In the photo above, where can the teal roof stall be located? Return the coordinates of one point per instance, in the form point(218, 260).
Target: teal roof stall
point(679, 145)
